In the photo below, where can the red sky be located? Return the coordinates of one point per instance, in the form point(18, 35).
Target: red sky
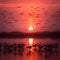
point(30, 1)
point(19, 17)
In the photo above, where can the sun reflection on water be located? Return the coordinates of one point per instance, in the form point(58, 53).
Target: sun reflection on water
point(30, 41)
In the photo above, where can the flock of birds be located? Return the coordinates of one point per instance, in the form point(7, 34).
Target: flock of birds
point(18, 49)
point(14, 16)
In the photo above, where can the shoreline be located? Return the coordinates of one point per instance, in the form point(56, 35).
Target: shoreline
point(32, 35)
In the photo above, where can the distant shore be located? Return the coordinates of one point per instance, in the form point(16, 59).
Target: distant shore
point(45, 34)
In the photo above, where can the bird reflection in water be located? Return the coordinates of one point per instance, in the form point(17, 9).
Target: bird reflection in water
point(29, 47)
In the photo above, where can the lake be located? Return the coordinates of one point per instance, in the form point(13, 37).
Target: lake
point(31, 53)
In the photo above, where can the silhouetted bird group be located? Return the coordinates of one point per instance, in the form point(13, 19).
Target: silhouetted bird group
point(12, 49)
point(18, 49)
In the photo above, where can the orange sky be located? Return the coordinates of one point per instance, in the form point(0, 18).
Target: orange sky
point(30, 1)
point(43, 17)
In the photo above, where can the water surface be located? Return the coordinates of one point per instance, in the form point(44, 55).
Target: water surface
point(34, 54)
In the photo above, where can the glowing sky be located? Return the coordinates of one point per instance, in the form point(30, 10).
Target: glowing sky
point(19, 17)
point(30, 1)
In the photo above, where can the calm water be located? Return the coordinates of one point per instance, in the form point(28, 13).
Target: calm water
point(34, 54)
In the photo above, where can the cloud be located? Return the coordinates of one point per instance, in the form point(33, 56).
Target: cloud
point(30, 1)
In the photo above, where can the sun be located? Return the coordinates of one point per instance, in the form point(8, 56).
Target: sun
point(31, 28)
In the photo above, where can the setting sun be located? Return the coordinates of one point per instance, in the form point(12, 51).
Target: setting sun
point(31, 28)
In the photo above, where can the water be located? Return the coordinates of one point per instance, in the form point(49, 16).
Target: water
point(34, 54)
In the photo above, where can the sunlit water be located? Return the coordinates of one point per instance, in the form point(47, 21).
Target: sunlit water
point(34, 54)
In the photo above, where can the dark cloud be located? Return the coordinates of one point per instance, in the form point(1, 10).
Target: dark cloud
point(10, 1)
point(30, 1)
